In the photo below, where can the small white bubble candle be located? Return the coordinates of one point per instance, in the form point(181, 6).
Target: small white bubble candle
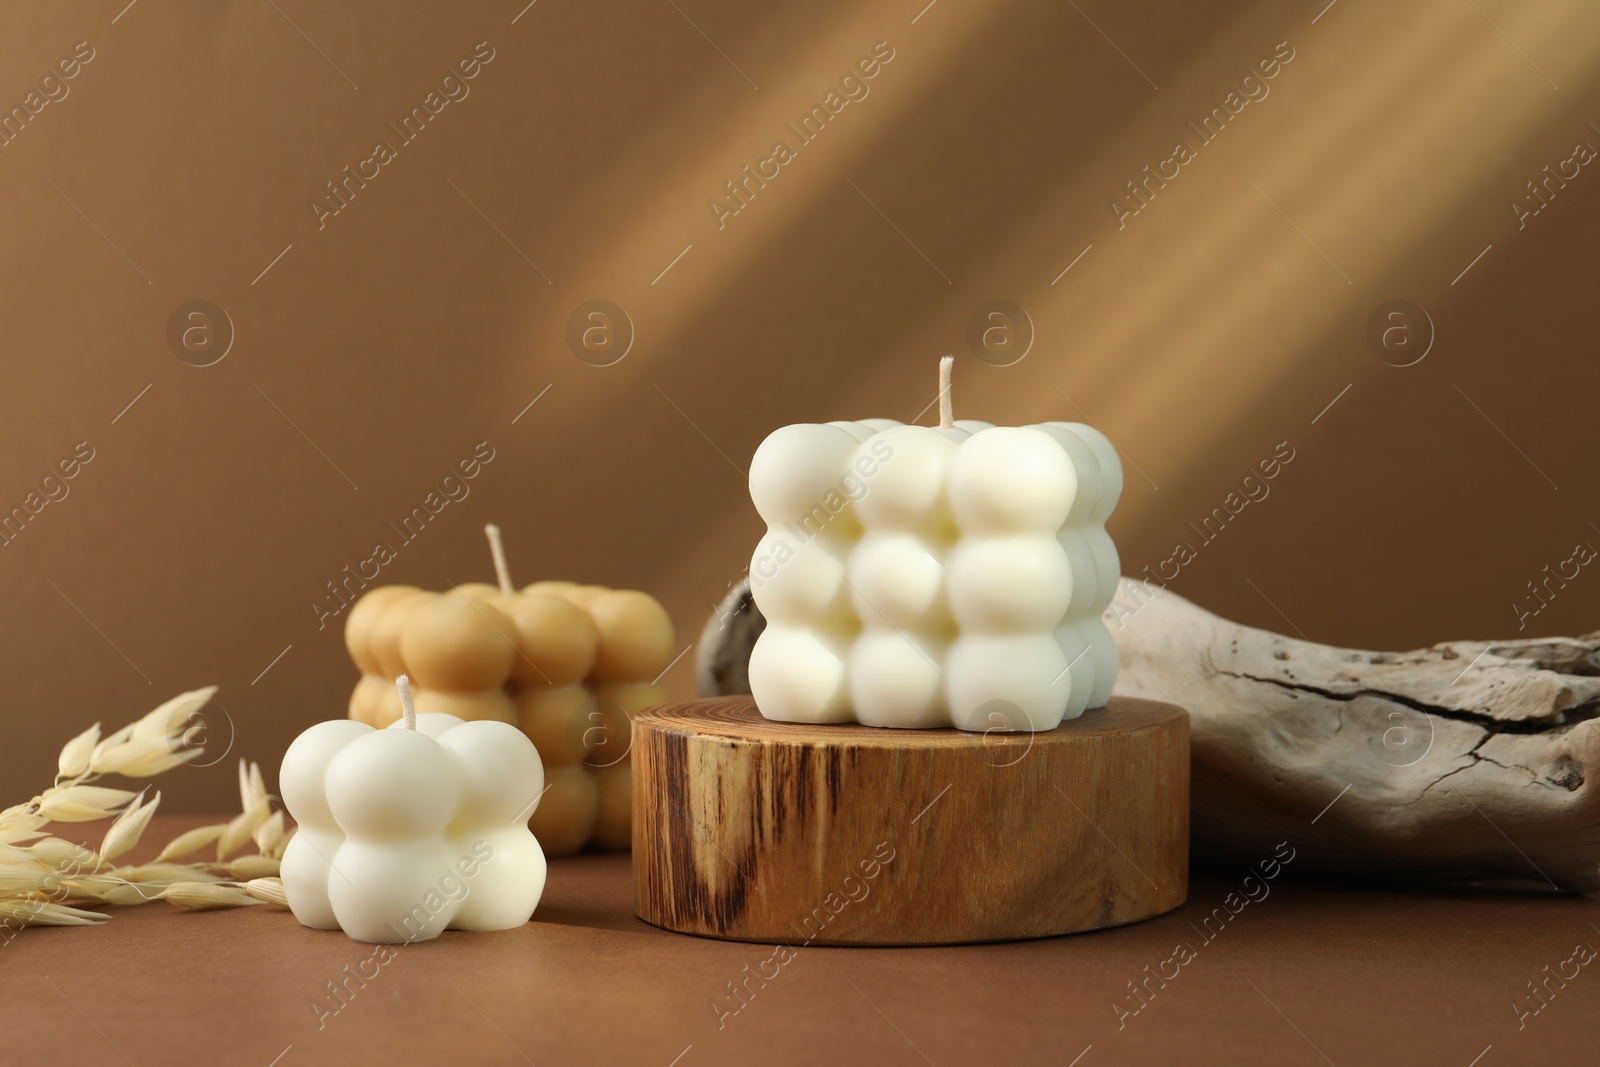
point(411, 830)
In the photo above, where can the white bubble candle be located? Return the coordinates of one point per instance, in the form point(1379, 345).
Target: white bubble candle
point(408, 831)
point(918, 576)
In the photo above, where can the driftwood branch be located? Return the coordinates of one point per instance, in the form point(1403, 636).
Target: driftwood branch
point(1466, 761)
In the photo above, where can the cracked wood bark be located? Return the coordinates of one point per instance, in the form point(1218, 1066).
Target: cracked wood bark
point(1466, 761)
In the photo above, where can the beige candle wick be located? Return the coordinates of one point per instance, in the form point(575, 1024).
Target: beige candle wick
point(498, 551)
point(946, 414)
point(408, 710)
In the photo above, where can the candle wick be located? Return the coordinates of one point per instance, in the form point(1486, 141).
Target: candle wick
point(498, 551)
point(408, 710)
point(946, 414)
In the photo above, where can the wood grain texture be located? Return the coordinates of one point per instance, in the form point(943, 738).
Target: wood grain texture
point(848, 835)
point(1468, 761)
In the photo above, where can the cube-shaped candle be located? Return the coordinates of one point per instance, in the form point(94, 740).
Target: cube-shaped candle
point(569, 664)
point(916, 576)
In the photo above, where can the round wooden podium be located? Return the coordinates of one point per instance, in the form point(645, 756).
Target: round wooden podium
point(755, 830)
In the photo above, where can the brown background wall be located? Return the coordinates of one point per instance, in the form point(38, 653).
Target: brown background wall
point(420, 320)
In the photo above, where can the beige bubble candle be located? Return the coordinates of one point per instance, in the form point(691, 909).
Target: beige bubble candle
point(569, 664)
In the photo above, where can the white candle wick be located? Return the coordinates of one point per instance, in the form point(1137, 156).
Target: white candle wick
point(947, 417)
point(498, 551)
point(408, 710)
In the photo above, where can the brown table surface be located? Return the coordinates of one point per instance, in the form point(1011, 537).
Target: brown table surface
point(1313, 973)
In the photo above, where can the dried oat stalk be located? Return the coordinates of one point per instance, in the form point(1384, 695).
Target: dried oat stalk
point(50, 881)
